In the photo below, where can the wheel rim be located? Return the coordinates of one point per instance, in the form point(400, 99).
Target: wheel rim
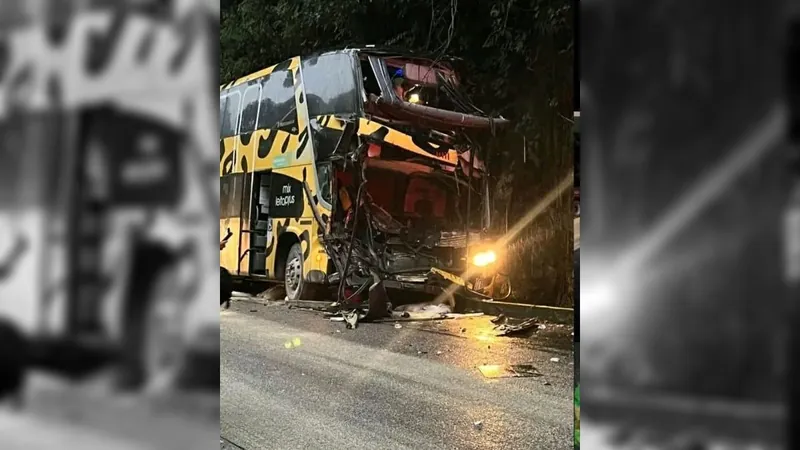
point(294, 272)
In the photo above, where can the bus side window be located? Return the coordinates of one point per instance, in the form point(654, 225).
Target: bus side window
point(250, 109)
point(324, 171)
point(330, 84)
point(277, 110)
point(225, 196)
point(222, 101)
point(230, 117)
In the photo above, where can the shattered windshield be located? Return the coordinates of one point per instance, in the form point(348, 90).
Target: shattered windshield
point(418, 82)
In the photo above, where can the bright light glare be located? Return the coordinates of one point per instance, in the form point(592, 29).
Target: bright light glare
point(413, 98)
point(483, 259)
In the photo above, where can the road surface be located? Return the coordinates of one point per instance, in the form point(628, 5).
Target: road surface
point(293, 379)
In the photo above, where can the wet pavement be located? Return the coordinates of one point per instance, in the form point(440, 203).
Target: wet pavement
point(294, 379)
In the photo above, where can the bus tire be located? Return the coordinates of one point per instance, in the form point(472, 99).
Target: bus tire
point(297, 288)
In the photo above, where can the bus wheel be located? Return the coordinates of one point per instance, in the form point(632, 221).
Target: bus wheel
point(296, 287)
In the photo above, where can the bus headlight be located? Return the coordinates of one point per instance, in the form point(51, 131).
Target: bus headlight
point(483, 259)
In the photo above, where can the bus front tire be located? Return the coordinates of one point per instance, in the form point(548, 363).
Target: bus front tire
point(297, 288)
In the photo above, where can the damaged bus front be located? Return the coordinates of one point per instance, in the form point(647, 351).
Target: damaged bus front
point(361, 174)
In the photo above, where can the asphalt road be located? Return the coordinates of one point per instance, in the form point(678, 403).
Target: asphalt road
point(293, 379)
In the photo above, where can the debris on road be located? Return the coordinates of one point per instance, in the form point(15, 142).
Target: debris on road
point(273, 294)
point(478, 425)
point(433, 308)
point(405, 316)
point(523, 328)
point(509, 371)
point(554, 360)
point(398, 326)
point(499, 319)
point(463, 315)
point(351, 317)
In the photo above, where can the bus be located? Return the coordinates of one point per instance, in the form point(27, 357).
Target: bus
point(357, 171)
point(107, 205)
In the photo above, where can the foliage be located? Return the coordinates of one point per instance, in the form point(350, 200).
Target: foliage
point(518, 59)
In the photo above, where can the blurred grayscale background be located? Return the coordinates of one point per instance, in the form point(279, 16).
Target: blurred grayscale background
point(109, 334)
point(690, 239)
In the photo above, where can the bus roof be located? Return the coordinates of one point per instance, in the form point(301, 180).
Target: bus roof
point(383, 52)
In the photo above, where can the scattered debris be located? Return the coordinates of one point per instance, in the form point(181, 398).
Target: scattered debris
point(438, 352)
point(547, 383)
point(478, 425)
point(398, 326)
point(275, 293)
point(507, 329)
point(406, 316)
point(422, 352)
point(463, 315)
point(351, 317)
point(253, 310)
point(432, 308)
point(509, 371)
point(499, 319)
point(463, 330)
point(555, 359)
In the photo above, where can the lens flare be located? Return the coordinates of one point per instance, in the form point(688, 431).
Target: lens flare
point(483, 259)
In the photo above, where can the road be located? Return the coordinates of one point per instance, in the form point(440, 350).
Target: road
point(293, 379)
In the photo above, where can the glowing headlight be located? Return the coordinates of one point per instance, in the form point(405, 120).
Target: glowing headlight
point(483, 259)
point(413, 98)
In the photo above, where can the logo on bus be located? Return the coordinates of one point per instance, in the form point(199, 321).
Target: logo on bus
point(286, 199)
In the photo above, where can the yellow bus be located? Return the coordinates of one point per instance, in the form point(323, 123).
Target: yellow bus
point(362, 162)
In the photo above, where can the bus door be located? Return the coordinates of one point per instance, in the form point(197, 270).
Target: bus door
point(249, 242)
point(260, 224)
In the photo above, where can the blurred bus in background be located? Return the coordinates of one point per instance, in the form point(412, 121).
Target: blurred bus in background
point(108, 190)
